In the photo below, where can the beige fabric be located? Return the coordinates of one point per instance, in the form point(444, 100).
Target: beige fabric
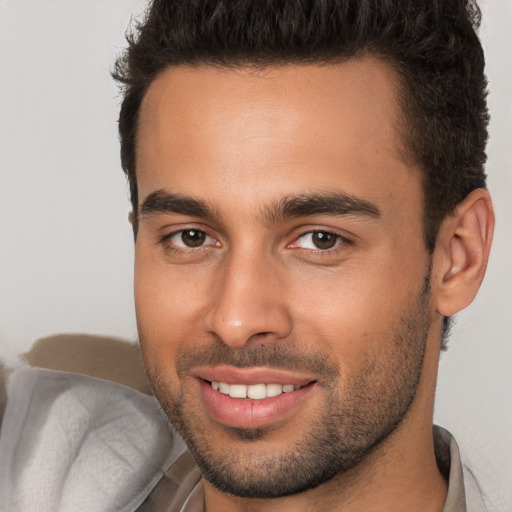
point(448, 451)
point(173, 490)
point(97, 356)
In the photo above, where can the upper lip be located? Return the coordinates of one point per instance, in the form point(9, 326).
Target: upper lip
point(251, 375)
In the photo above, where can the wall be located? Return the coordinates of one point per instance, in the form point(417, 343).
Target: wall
point(66, 248)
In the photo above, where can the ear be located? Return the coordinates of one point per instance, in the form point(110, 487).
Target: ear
point(462, 252)
point(133, 221)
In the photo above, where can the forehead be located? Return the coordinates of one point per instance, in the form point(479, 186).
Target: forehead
point(205, 128)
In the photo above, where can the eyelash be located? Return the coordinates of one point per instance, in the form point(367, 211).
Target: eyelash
point(177, 249)
point(341, 243)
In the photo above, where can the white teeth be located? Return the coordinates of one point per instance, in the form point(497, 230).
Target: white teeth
point(254, 391)
point(257, 391)
point(224, 388)
point(274, 390)
point(237, 391)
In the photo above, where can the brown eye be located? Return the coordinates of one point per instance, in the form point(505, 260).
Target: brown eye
point(193, 237)
point(320, 241)
point(188, 241)
point(324, 240)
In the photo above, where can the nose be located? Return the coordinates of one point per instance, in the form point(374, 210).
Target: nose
point(248, 302)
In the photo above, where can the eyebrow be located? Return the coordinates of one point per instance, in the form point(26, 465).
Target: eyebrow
point(161, 201)
point(303, 205)
point(321, 203)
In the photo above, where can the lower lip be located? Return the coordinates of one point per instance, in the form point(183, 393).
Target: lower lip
point(247, 413)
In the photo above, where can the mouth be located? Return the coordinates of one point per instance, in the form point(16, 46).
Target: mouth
point(253, 391)
point(251, 398)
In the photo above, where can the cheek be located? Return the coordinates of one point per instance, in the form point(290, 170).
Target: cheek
point(352, 315)
point(168, 309)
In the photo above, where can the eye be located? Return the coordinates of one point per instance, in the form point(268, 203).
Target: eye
point(318, 240)
point(189, 238)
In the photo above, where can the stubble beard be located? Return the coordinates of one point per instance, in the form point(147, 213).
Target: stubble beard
point(353, 423)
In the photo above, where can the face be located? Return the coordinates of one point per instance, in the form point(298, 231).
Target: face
point(281, 278)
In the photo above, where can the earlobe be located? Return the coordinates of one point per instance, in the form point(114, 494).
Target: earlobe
point(464, 243)
point(132, 219)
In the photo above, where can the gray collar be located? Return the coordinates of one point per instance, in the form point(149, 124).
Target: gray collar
point(464, 493)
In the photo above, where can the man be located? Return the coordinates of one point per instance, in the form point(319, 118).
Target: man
point(309, 209)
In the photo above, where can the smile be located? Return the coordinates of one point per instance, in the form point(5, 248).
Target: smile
point(253, 391)
point(252, 405)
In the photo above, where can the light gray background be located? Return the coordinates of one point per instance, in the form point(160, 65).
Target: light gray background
point(66, 248)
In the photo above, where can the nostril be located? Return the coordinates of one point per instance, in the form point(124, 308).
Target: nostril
point(261, 336)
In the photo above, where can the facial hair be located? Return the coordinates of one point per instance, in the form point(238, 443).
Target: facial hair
point(357, 416)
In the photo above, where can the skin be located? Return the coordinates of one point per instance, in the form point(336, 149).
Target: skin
point(241, 145)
